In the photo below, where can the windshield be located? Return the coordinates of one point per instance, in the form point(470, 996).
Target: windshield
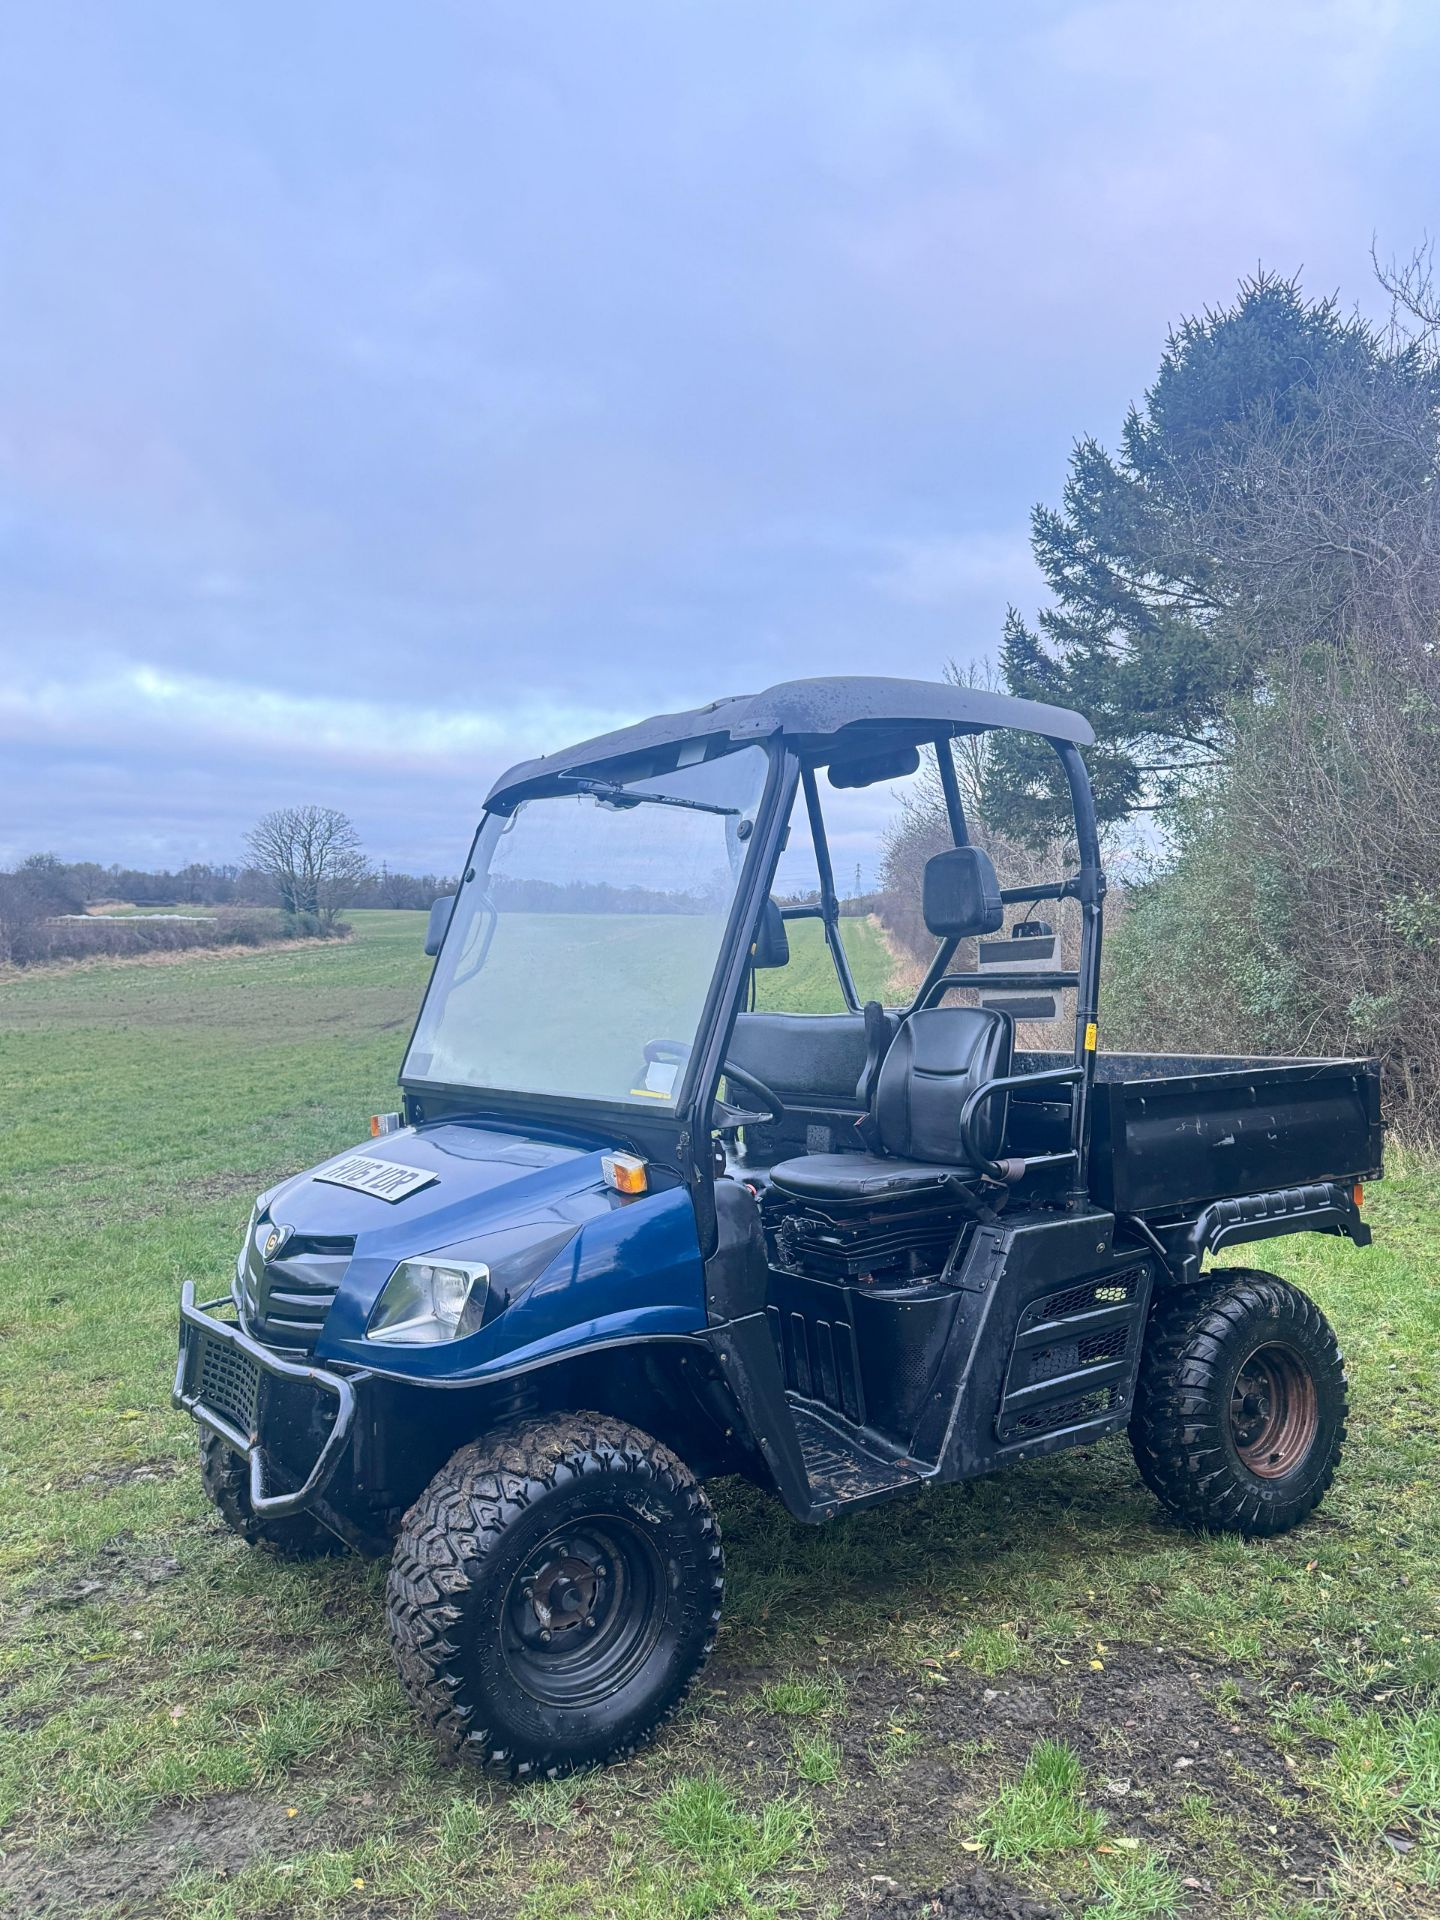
point(580, 954)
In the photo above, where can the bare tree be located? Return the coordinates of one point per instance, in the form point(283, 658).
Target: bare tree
point(1414, 296)
point(312, 857)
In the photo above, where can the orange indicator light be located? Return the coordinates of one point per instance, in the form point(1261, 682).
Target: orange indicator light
point(625, 1172)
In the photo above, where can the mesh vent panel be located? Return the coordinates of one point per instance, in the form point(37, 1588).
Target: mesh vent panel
point(1065, 1413)
point(1093, 1293)
point(228, 1383)
point(1103, 1346)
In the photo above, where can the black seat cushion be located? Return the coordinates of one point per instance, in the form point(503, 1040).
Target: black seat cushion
point(933, 1065)
point(856, 1176)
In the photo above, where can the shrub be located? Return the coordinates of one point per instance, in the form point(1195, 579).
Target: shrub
point(313, 926)
point(29, 939)
point(22, 916)
point(248, 927)
point(1301, 911)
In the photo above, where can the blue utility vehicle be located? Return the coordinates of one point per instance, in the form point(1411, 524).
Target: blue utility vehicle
point(629, 1233)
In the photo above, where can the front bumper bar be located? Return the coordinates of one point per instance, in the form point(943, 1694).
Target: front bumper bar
point(219, 1381)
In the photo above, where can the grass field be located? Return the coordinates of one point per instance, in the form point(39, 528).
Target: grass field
point(1038, 1672)
point(807, 984)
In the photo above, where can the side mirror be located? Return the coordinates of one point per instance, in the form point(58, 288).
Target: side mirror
point(961, 894)
point(772, 943)
point(439, 920)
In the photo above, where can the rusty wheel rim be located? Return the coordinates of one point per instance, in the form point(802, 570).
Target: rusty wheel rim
point(1274, 1411)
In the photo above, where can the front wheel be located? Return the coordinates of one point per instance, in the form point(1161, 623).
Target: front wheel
point(226, 1479)
point(1240, 1406)
point(553, 1593)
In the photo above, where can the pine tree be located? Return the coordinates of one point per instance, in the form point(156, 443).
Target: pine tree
point(1181, 565)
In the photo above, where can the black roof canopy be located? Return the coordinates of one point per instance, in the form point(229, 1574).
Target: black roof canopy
point(818, 717)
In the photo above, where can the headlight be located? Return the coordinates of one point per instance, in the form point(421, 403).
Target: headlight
point(427, 1300)
point(437, 1297)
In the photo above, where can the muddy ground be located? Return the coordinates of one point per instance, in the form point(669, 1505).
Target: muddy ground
point(1148, 1726)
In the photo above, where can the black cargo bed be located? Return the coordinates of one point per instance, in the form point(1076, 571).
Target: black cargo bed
point(1173, 1131)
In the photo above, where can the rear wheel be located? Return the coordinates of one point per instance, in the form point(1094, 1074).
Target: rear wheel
point(225, 1476)
point(553, 1593)
point(1240, 1407)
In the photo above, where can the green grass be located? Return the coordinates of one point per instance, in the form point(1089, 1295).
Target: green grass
point(162, 1687)
point(808, 983)
point(1042, 1812)
point(1135, 1889)
point(818, 1759)
point(799, 1696)
point(1382, 1770)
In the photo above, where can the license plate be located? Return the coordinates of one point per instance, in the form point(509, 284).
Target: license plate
point(386, 1179)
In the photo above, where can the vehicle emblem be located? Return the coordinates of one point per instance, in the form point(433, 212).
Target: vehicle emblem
point(274, 1241)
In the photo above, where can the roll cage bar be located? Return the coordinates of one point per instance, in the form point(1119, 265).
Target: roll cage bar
point(1086, 885)
point(807, 724)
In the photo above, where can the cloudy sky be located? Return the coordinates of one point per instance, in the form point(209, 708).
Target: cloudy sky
point(387, 393)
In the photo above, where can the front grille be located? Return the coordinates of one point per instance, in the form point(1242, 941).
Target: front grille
point(228, 1382)
point(285, 1303)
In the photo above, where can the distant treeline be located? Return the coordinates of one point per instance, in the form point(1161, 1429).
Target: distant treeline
point(46, 907)
point(600, 896)
point(73, 886)
point(593, 896)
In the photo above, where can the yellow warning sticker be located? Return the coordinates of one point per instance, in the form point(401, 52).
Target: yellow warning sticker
point(1092, 1035)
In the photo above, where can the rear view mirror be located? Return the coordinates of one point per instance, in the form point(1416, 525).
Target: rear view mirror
point(439, 921)
point(864, 769)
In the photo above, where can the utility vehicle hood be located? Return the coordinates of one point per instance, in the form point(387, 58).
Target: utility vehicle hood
point(631, 1268)
point(462, 1163)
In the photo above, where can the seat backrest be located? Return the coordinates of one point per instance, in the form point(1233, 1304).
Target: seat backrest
point(815, 1057)
point(933, 1065)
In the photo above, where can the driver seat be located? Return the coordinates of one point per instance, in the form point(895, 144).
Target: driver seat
point(935, 1062)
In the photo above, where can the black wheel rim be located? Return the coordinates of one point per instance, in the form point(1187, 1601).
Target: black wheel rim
point(584, 1613)
point(1274, 1411)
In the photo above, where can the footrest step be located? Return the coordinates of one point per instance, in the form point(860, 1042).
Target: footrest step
point(841, 1470)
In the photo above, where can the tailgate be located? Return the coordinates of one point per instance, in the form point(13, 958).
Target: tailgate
point(1179, 1140)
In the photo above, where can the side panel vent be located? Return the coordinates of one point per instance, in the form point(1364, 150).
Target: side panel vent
point(1074, 1357)
point(820, 1360)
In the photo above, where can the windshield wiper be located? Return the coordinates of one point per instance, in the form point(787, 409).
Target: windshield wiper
point(617, 796)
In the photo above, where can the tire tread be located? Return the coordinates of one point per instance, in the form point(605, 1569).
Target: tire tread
point(226, 1479)
point(1177, 1429)
point(463, 1514)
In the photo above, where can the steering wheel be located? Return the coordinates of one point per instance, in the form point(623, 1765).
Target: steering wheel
point(772, 1108)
